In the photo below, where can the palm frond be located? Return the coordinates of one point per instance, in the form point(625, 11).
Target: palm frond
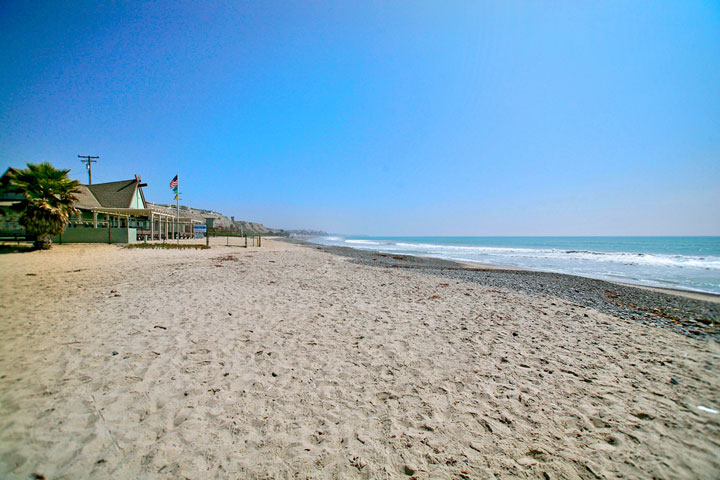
point(49, 198)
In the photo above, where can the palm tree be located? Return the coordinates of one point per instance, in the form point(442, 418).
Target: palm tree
point(48, 201)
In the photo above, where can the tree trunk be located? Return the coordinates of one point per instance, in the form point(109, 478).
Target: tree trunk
point(42, 242)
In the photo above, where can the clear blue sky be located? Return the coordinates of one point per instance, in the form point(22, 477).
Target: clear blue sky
point(448, 118)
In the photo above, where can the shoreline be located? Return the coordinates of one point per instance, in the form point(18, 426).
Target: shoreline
point(696, 294)
point(704, 296)
point(689, 313)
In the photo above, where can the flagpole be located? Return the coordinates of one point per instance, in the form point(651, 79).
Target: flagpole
point(175, 187)
point(177, 226)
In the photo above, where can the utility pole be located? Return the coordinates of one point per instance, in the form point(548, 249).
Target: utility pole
point(89, 161)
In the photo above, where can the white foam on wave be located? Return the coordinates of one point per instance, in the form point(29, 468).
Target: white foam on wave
point(363, 242)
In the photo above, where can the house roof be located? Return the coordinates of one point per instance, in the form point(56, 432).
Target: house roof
point(115, 194)
point(85, 198)
point(5, 179)
point(7, 193)
point(100, 195)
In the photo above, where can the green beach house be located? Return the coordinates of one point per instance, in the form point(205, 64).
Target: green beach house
point(111, 212)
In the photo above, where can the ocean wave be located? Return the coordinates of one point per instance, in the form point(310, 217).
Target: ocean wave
point(363, 242)
point(468, 247)
point(700, 272)
point(516, 256)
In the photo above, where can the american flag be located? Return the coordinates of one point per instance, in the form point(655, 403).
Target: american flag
point(174, 183)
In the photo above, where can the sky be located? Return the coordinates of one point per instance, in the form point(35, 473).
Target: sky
point(381, 118)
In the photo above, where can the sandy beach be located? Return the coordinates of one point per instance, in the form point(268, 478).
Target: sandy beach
point(289, 361)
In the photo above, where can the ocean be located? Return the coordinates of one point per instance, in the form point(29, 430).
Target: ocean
point(687, 263)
